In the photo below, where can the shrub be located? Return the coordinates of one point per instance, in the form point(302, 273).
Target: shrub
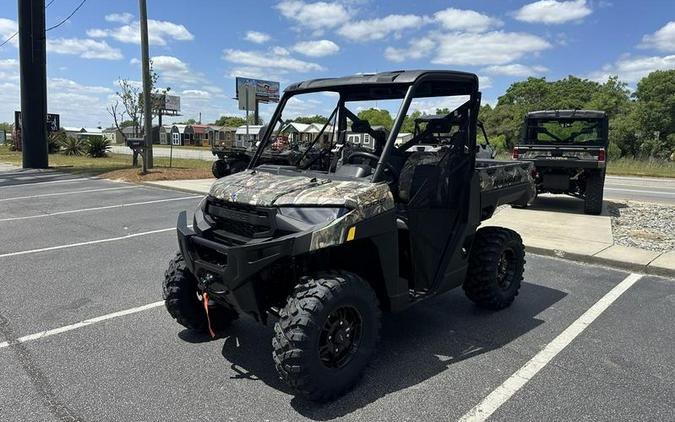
point(613, 151)
point(73, 146)
point(55, 141)
point(499, 143)
point(97, 146)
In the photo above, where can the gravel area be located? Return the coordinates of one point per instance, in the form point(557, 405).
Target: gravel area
point(643, 225)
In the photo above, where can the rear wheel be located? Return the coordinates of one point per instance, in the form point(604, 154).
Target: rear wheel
point(595, 185)
point(184, 302)
point(220, 169)
point(495, 268)
point(326, 334)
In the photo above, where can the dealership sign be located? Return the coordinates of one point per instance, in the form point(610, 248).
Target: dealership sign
point(53, 121)
point(265, 91)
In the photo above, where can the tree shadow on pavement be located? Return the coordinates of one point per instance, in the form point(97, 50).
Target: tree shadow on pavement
point(410, 350)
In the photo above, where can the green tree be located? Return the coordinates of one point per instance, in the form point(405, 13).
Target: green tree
point(232, 121)
point(317, 118)
point(409, 121)
point(655, 112)
point(377, 117)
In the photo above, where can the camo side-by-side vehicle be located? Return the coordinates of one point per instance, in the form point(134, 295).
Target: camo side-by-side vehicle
point(568, 149)
point(323, 246)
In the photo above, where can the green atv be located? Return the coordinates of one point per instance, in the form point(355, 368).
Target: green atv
point(321, 247)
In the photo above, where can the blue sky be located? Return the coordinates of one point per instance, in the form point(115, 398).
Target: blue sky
point(199, 46)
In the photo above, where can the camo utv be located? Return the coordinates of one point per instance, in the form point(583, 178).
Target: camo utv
point(322, 247)
point(568, 149)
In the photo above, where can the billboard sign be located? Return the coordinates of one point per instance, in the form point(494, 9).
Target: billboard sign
point(163, 102)
point(53, 121)
point(265, 91)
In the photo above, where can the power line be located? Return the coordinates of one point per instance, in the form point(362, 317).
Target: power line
point(68, 17)
point(11, 37)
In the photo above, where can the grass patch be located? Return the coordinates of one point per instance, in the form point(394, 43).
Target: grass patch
point(631, 167)
point(118, 166)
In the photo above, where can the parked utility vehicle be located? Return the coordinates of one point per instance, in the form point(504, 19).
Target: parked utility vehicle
point(568, 149)
point(323, 246)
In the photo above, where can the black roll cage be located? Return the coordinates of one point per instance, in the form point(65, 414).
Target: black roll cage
point(412, 88)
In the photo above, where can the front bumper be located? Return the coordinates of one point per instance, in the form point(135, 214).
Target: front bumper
point(230, 272)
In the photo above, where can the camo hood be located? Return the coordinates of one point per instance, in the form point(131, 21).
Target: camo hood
point(266, 189)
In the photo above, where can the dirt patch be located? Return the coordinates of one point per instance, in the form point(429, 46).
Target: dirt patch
point(134, 175)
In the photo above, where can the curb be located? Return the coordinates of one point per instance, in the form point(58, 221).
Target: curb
point(590, 259)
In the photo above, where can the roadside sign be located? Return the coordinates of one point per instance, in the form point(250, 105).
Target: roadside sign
point(265, 91)
point(246, 97)
point(53, 121)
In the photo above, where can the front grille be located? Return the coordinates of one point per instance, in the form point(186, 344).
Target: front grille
point(241, 220)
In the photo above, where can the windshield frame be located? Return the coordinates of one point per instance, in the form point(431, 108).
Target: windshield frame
point(532, 122)
point(450, 88)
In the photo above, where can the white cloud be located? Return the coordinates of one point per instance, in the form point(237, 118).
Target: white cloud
point(484, 82)
point(417, 49)
point(70, 86)
point(465, 20)
point(490, 48)
point(377, 29)
point(663, 39)
point(632, 69)
point(515, 69)
point(256, 73)
point(119, 17)
point(9, 64)
point(315, 16)
point(85, 48)
point(195, 94)
point(159, 32)
point(318, 48)
point(174, 70)
point(269, 60)
point(553, 11)
point(7, 28)
point(257, 37)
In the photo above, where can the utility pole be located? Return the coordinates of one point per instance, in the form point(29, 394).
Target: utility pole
point(147, 83)
point(33, 63)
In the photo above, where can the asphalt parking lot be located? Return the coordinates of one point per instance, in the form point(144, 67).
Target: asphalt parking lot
point(87, 338)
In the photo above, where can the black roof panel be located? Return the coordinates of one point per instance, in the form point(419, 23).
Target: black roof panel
point(566, 114)
point(399, 77)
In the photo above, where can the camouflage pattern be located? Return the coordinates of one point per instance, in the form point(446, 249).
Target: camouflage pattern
point(416, 159)
point(498, 174)
point(260, 188)
point(547, 155)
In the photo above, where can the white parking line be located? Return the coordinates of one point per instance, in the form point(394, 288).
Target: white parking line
point(86, 322)
point(107, 207)
point(504, 392)
point(70, 192)
point(90, 242)
point(24, 185)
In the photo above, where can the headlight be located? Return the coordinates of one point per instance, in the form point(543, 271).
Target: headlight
point(313, 215)
point(302, 218)
point(201, 220)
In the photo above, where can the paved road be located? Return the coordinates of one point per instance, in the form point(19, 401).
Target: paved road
point(644, 189)
point(89, 248)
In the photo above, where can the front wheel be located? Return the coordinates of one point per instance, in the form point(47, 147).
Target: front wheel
point(220, 169)
point(326, 334)
point(495, 268)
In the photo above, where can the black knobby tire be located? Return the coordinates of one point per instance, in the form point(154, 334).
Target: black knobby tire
point(595, 185)
point(315, 365)
point(495, 268)
point(183, 303)
point(220, 169)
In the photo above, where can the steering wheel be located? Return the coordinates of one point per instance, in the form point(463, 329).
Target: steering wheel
point(372, 161)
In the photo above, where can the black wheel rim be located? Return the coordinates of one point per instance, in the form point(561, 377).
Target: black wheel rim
point(340, 337)
point(506, 269)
